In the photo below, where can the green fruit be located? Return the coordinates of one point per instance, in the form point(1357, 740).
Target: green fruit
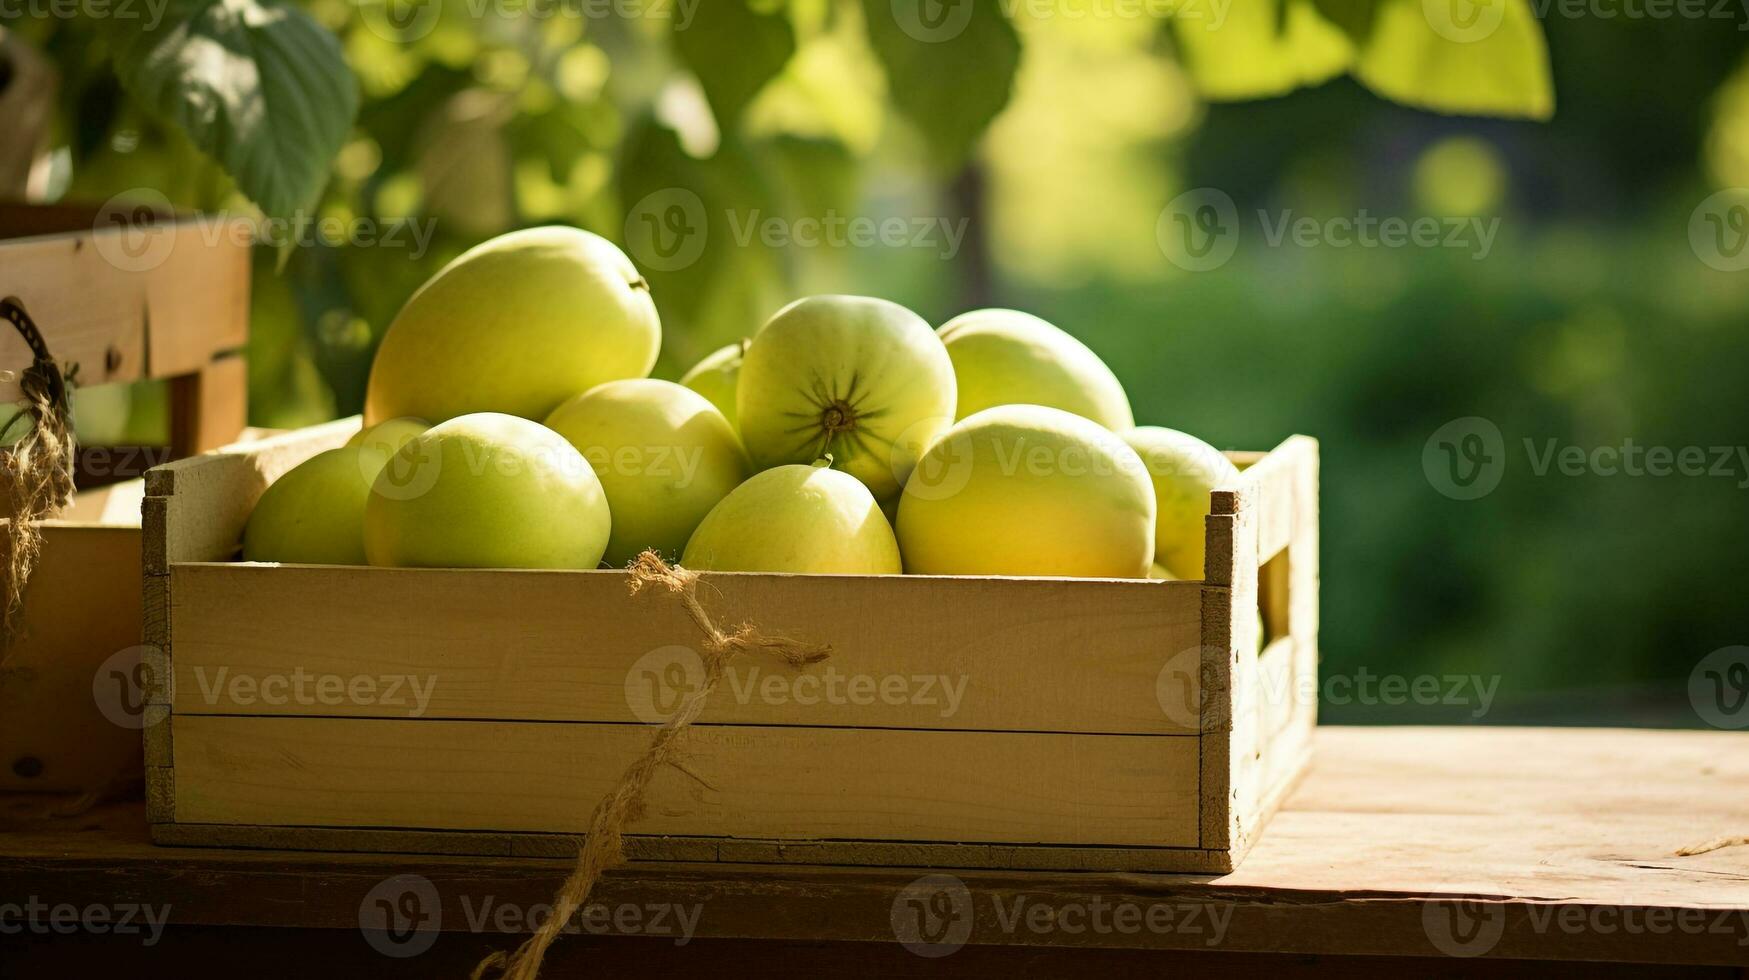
point(1005, 357)
point(1183, 469)
point(389, 436)
point(664, 455)
point(796, 518)
point(314, 513)
point(516, 325)
point(487, 490)
point(861, 380)
point(1028, 490)
point(715, 377)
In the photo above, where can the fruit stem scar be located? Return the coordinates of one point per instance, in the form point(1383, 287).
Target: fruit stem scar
point(838, 417)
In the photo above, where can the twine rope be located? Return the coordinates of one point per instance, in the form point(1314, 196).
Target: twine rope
point(603, 848)
point(37, 472)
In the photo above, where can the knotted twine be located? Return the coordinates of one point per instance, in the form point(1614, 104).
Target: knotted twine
point(603, 848)
point(37, 472)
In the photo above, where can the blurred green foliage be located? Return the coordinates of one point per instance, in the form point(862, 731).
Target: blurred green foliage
point(1050, 144)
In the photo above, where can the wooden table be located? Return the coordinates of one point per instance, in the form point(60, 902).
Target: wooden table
point(1523, 851)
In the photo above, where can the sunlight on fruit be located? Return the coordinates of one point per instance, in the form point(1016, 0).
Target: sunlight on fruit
point(1459, 175)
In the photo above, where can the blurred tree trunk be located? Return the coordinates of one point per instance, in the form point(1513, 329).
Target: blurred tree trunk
point(971, 266)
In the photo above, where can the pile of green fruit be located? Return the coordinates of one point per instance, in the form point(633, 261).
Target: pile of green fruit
point(510, 422)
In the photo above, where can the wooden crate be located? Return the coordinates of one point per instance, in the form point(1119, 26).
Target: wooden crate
point(118, 298)
point(1077, 743)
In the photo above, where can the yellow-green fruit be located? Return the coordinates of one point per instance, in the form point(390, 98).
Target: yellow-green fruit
point(387, 437)
point(314, 513)
point(862, 380)
point(1006, 357)
point(664, 455)
point(487, 490)
point(517, 324)
point(1183, 469)
point(1158, 573)
point(715, 377)
point(1028, 490)
point(796, 518)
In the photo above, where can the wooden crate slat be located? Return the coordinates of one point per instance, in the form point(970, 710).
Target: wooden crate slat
point(745, 781)
point(924, 653)
point(126, 304)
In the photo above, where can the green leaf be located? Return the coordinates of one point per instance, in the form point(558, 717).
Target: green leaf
point(949, 74)
point(1353, 17)
point(734, 51)
point(261, 88)
point(1256, 50)
point(1474, 57)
